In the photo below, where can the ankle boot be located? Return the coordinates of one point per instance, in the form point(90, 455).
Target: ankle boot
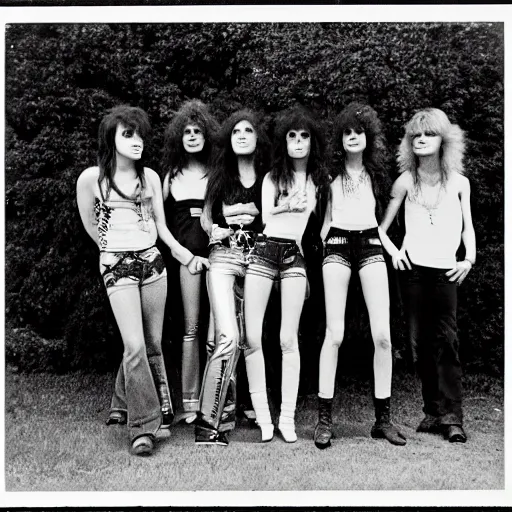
point(383, 428)
point(323, 429)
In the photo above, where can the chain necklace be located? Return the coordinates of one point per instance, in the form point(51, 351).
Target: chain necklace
point(429, 206)
point(352, 186)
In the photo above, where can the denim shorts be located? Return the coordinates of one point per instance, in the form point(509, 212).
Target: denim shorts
point(228, 260)
point(354, 249)
point(276, 258)
point(131, 268)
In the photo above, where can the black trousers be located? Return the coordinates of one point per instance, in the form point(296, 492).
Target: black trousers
point(431, 304)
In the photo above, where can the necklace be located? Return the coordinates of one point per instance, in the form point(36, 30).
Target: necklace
point(429, 205)
point(352, 186)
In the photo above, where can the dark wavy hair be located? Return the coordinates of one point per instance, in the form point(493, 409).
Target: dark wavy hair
point(132, 117)
point(224, 180)
point(358, 116)
point(282, 174)
point(175, 157)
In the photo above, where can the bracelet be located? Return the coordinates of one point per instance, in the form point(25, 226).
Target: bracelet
point(190, 261)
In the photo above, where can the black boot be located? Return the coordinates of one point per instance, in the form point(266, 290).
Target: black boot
point(383, 428)
point(323, 429)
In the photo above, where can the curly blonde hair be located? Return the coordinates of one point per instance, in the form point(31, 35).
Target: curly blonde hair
point(452, 145)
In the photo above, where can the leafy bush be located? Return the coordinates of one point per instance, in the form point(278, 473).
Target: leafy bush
point(60, 80)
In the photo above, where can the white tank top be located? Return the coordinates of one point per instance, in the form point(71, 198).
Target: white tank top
point(433, 233)
point(353, 204)
point(292, 225)
point(125, 225)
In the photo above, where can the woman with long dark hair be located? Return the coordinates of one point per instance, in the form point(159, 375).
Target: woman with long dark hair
point(187, 161)
point(289, 196)
point(437, 218)
point(121, 207)
point(358, 192)
point(232, 218)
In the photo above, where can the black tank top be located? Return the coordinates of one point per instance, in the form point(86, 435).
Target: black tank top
point(183, 221)
point(242, 195)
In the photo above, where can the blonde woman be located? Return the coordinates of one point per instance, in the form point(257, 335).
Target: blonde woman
point(437, 219)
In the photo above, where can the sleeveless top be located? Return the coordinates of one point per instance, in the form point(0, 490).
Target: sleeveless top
point(433, 235)
point(353, 206)
point(123, 224)
point(184, 222)
point(291, 225)
point(242, 195)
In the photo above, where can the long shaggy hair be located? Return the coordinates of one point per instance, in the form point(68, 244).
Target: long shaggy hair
point(175, 158)
point(358, 116)
point(282, 174)
point(132, 117)
point(452, 145)
point(224, 180)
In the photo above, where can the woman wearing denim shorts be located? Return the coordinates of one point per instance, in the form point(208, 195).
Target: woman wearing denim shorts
point(437, 218)
point(187, 159)
point(289, 196)
point(232, 217)
point(351, 244)
point(121, 207)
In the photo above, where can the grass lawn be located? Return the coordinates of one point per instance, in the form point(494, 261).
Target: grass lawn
point(56, 440)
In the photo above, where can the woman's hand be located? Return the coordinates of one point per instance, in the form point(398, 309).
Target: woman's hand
point(460, 271)
point(219, 233)
point(197, 264)
point(298, 202)
point(400, 260)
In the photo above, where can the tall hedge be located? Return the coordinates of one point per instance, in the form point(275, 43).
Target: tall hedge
point(60, 80)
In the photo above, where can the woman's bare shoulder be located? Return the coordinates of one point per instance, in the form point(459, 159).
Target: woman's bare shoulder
point(89, 176)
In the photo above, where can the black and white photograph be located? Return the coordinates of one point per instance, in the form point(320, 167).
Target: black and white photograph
point(254, 250)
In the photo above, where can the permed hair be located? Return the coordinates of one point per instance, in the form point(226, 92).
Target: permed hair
point(175, 157)
point(282, 173)
point(361, 117)
point(132, 117)
point(452, 145)
point(224, 179)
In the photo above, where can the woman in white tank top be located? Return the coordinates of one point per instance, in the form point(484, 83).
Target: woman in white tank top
point(351, 244)
point(289, 196)
point(437, 219)
point(121, 207)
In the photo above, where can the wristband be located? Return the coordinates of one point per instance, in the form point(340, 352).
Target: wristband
point(190, 261)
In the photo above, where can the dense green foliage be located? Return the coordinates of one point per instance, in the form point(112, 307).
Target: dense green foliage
point(60, 80)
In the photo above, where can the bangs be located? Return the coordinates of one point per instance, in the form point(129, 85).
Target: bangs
point(136, 120)
point(428, 121)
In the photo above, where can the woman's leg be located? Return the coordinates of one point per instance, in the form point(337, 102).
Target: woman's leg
point(293, 293)
point(336, 281)
point(374, 282)
point(144, 417)
point(190, 362)
point(153, 297)
point(257, 293)
point(336, 278)
point(224, 357)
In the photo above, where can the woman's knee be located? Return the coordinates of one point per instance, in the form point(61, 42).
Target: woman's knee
point(382, 342)
point(134, 348)
point(289, 342)
point(334, 335)
point(226, 344)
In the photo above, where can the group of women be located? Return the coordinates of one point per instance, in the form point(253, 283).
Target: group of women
point(232, 206)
